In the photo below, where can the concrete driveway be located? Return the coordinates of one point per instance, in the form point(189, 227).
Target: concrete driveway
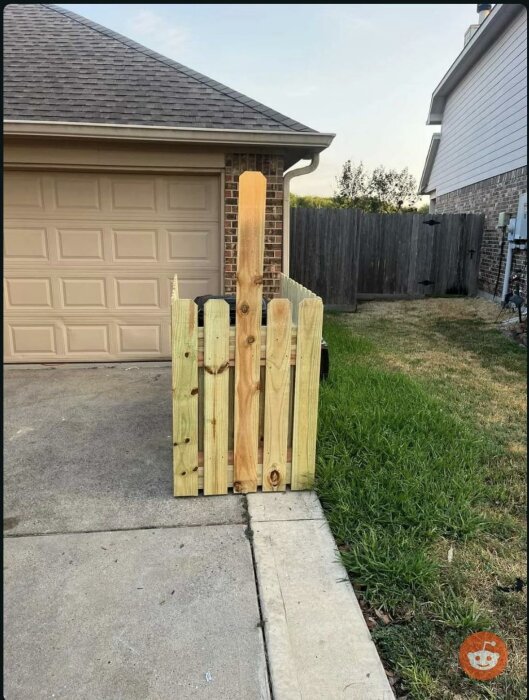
point(89, 448)
point(115, 590)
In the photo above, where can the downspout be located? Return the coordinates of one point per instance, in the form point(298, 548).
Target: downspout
point(286, 205)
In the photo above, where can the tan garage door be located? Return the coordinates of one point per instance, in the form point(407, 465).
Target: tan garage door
point(89, 261)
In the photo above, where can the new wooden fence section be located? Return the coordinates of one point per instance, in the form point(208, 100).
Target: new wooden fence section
point(245, 397)
point(345, 254)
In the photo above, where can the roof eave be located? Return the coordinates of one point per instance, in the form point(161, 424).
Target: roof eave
point(430, 159)
point(313, 142)
point(487, 32)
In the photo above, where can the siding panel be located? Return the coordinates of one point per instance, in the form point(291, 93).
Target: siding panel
point(484, 131)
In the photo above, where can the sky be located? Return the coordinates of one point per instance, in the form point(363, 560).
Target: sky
point(363, 72)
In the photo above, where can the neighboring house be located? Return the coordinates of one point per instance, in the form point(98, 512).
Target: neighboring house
point(121, 169)
point(478, 163)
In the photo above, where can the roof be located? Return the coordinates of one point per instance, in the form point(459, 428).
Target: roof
point(430, 158)
point(61, 67)
point(485, 35)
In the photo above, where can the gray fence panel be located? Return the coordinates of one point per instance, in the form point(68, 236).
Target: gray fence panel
point(345, 254)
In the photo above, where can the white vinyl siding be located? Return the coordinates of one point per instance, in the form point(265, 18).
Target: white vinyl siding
point(484, 130)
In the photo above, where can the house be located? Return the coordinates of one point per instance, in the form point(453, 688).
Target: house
point(478, 162)
point(121, 169)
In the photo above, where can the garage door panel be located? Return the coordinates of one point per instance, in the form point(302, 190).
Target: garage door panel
point(87, 339)
point(25, 244)
point(31, 340)
point(131, 193)
point(28, 293)
point(124, 337)
point(67, 292)
point(194, 244)
point(90, 260)
point(80, 244)
point(76, 192)
point(23, 192)
point(86, 292)
point(137, 293)
point(140, 338)
point(185, 195)
point(133, 244)
point(190, 288)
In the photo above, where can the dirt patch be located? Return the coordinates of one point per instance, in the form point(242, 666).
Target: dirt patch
point(515, 331)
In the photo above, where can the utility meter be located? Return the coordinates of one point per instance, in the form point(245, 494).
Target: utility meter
point(503, 219)
point(520, 228)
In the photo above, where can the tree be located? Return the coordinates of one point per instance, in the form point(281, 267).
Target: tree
point(381, 191)
point(393, 188)
point(352, 184)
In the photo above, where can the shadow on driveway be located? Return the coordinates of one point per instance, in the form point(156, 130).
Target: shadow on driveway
point(90, 449)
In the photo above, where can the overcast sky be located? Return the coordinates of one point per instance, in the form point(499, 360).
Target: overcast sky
point(364, 72)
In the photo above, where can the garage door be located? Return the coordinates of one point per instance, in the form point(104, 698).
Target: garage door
point(89, 261)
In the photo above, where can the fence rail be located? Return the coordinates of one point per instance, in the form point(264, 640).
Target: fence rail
point(347, 254)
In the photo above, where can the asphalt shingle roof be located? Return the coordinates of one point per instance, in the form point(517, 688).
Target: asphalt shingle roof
point(59, 66)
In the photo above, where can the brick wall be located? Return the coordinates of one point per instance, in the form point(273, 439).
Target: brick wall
point(272, 168)
point(490, 197)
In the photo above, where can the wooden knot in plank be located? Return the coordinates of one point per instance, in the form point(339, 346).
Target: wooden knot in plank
point(274, 478)
point(244, 307)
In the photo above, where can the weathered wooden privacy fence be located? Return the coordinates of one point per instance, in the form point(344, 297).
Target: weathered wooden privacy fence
point(347, 254)
point(245, 398)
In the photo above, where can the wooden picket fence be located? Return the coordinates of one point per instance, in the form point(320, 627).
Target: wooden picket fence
point(245, 397)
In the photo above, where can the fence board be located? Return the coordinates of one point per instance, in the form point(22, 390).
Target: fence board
point(250, 255)
point(306, 391)
point(216, 396)
point(343, 254)
point(185, 396)
point(277, 395)
point(475, 237)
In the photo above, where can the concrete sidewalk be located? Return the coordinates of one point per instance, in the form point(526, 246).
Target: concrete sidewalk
point(317, 641)
point(114, 590)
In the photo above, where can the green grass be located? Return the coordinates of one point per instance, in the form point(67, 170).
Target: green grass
point(410, 464)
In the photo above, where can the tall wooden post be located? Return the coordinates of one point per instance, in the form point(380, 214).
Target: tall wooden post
point(250, 260)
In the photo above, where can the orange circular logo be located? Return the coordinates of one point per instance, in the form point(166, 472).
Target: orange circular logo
point(483, 656)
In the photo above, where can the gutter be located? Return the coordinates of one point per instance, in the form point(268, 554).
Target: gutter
point(286, 205)
point(136, 132)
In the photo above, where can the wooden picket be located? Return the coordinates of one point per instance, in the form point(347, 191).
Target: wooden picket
point(245, 398)
point(216, 395)
point(310, 320)
point(185, 396)
point(277, 392)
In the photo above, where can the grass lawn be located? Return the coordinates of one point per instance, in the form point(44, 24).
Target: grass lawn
point(422, 474)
